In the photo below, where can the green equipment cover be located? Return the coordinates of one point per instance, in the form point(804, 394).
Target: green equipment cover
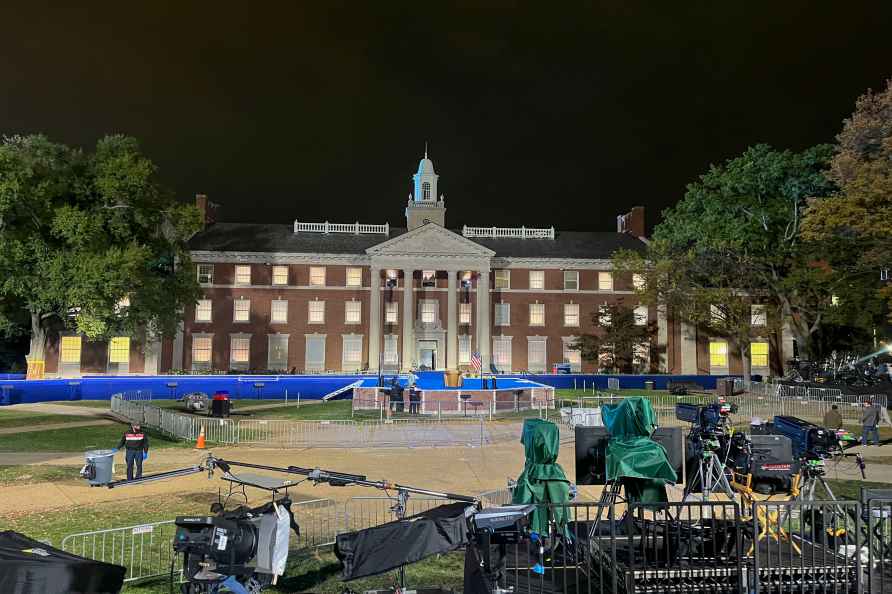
point(542, 480)
point(633, 458)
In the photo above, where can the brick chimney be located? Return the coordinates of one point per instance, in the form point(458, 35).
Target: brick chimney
point(207, 208)
point(632, 222)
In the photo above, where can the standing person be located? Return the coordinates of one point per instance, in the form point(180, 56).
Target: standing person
point(137, 444)
point(832, 418)
point(869, 421)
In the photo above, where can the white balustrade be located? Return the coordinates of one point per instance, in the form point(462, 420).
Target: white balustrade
point(356, 228)
point(509, 232)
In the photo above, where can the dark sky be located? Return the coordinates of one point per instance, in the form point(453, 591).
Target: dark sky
point(540, 114)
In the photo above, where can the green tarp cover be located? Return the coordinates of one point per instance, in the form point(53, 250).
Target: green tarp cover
point(633, 458)
point(542, 480)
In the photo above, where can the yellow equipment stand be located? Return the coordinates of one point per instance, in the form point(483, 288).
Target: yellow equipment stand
point(769, 521)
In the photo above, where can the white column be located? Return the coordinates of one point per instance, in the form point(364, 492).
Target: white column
point(375, 320)
point(177, 362)
point(688, 349)
point(483, 345)
point(662, 340)
point(408, 320)
point(452, 323)
point(152, 355)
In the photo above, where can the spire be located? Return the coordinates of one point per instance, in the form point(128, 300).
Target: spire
point(425, 149)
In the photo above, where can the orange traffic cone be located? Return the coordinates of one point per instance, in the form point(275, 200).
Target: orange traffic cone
point(199, 443)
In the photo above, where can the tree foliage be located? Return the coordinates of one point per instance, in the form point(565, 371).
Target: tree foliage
point(89, 241)
point(615, 344)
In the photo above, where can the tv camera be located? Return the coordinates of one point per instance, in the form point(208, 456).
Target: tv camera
point(813, 445)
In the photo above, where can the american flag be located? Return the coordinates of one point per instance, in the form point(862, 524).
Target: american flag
point(476, 362)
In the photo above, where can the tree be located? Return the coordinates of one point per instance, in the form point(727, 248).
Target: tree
point(620, 341)
point(90, 241)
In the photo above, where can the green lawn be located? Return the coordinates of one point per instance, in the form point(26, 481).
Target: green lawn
point(38, 473)
point(77, 439)
point(87, 403)
point(14, 418)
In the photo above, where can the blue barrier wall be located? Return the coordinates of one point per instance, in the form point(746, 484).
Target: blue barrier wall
point(661, 382)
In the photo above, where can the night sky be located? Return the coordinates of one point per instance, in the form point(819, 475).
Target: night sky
point(540, 114)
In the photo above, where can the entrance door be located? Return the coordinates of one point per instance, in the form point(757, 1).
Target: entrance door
point(427, 354)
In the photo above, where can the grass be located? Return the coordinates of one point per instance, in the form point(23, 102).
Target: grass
point(77, 439)
point(87, 403)
point(38, 473)
point(12, 418)
point(852, 489)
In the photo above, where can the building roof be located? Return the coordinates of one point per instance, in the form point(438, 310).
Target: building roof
point(274, 238)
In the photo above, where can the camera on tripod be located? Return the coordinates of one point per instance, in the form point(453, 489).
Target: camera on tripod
point(709, 422)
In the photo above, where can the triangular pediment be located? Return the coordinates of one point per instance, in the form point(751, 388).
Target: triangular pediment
point(430, 240)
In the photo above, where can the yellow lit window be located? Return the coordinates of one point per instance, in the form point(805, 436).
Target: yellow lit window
point(718, 354)
point(119, 349)
point(759, 354)
point(71, 349)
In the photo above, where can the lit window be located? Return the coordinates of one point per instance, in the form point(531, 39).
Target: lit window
point(428, 312)
point(537, 279)
point(280, 275)
point(503, 279)
point(759, 354)
point(316, 312)
point(119, 349)
point(242, 274)
point(603, 316)
point(641, 315)
point(503, 314)
point(201, 351)
point(206, 274)
point(123, 303)
point(317, 276)
point(605, 281)
point(315, 353)
point(464, 313)
point(536, 355)
point(537, 314)
point(428, 278)
point(391, 354)
point(71, 349)
point(351, 357)
point(391, 312)
point(716, 314)
point(279, 311)
point(571, 280)
point(241, 311)
point(759, 315)
point(606, 357)
point(718, 354)
point(571, 314)
point(278, 352)
point(353, 312)
point(884, 274)
point(834, 300)
point(354, 277)
point(638, 282)
point(203, 310)
point(425, 190)
point(239, 354)
point(571, 355)
point(641, 355)
point(392, 276)
point(501, 353)
point(464, 349)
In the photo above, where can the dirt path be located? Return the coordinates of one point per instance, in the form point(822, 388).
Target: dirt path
point(49, 426)
point(58, 409)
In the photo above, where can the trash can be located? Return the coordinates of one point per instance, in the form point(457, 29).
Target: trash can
point(221, 405)
point(99, 467)
point(649, 384)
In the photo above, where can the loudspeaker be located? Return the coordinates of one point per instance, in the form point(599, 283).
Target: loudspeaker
point(591, 452)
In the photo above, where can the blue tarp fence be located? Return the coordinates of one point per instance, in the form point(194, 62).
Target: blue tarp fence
point(248, 387)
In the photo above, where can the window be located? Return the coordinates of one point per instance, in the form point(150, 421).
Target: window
point(240, 352)
point(428, 311)
point(316, 311)
point(279, 311)
point(603, 316)
point(503, 314)
point(759, 315)
point(206, 274)
point(641, 315)
point(537, 314)
point(501, 353)
point(317, 276)
point(537, 279)
point(759, 354)
point(425, 190)
point(428, 278)
point(391, 312)
point(571, 314)
point(503, 279)
point(280, 275)
point(241, 310)
point(351, 356)
point(391, 354)
point(122, 304)
point(203, 310)
point(392, 277)
point(315, 353)
point(571, 280)
point(718, 354)
point(716, 315)
point(243, 274)
point(834, 300)
point(201, 352)
point(884, 274)
point(641, 356)
point(571, 355)
point(536, 355)
point(353, 312)
point(638, 282)
point(605, 281)
point(464, 313)
point(464, 349)
point(278, 352)
point(119, 349)
point(354, 277)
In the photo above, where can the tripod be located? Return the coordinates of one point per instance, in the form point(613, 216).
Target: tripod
point(711, 477)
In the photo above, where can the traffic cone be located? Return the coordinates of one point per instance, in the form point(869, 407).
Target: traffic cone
point(199, 443)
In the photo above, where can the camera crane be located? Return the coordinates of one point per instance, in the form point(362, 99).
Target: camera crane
point(709, 432)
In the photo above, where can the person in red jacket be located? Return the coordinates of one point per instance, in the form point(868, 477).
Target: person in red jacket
point(137, 444)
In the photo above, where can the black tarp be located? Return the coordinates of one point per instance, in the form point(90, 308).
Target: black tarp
point(380, 549)
point(28, 566)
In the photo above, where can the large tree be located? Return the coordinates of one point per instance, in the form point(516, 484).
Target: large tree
point(621, 342)
point(90, 241)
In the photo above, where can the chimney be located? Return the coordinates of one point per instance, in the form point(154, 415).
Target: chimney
point(207, 208)
point(632, 222)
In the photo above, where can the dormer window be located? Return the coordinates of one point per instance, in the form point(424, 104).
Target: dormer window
point(425, 191)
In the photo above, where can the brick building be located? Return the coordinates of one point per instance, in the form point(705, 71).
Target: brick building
point(314, 297)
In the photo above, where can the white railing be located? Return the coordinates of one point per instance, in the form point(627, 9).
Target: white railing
point(356, 228)
point(508, 232)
